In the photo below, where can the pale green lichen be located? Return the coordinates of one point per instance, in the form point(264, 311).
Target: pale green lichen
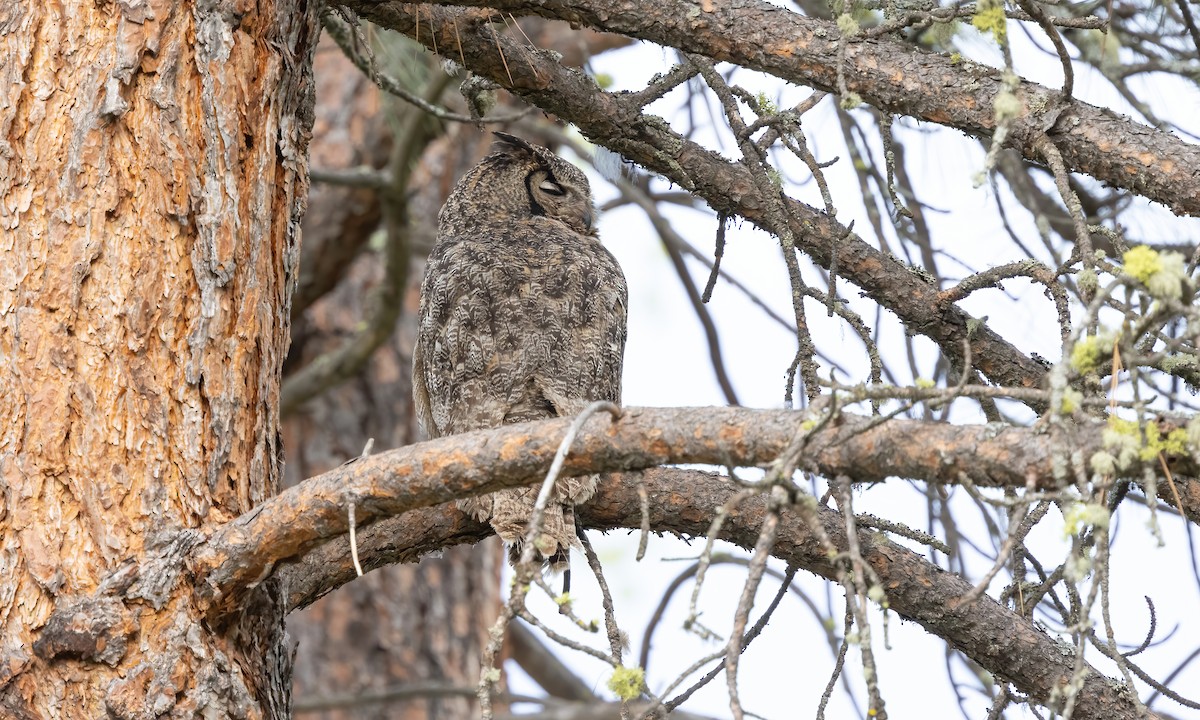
point(1071, 400)
point(1164, 274)
point(1122, 439)
point(1082, 515)
point(1097, 47)
point(878, 596)
point(848, 25)
point(1174, 363)
point(974, 325)
point(924, 383)
point(1006, 106)
point(1145, 442)
point(775, 178)
point(1077, 567)
point(1172, 444)
point(1089, 283)
point(563, 600)
point(1091, 352)
point(940, 36)
point(766, 106)
point(1169, 282)
point(627, 683)
point(1142, 262)
point(491, 675)
point(1104, 463)
point(989, 18)
point(850, 101)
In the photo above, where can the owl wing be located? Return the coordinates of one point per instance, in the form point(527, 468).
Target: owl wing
point(589, 347)
point(454, 362)
point(420, 389)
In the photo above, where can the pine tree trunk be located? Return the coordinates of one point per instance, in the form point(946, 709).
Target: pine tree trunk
point(152, 176)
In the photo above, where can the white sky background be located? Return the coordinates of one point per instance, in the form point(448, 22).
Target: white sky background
point(784, 671)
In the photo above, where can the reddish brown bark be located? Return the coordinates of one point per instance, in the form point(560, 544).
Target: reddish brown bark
point(152, 176)
point(472, 463)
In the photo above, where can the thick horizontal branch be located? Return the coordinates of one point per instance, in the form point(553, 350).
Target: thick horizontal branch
point(681, 502)
point(617, 122)
point(244, 551)
point(900, 78)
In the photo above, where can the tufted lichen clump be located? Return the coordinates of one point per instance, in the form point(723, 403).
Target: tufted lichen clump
point(627, 683)
point(1088, 281)
point(1006, 106)
point(1091, 352)
point(766, 106)
point(1163, 273)
point(1083, 515)
point(1071, 400)
point(989, 18)
point(1128, 441)
point(848, 25)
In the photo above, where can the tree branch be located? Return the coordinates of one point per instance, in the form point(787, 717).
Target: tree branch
point(543, 666)
point(1001, 641)
point(243, 551)
point(894, 76)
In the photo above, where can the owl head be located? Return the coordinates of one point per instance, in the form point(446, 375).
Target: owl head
point(520, 181)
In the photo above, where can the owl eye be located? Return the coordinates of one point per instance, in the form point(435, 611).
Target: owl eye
point(552, 188)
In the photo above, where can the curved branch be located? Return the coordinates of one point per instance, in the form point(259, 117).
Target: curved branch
point(1008, 645)
point(896, 77)
point(242, 552)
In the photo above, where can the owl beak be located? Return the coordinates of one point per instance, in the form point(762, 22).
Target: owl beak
point(587, 220)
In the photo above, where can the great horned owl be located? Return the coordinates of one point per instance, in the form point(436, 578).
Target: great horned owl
point(522, 318)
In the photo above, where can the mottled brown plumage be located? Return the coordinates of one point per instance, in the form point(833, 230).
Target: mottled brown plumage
point(522, 318)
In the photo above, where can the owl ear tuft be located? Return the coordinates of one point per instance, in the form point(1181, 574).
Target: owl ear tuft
point(507, 144)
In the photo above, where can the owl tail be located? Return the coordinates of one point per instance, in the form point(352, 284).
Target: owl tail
point(509, 511)
point(553, 543)
point(559, 562)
